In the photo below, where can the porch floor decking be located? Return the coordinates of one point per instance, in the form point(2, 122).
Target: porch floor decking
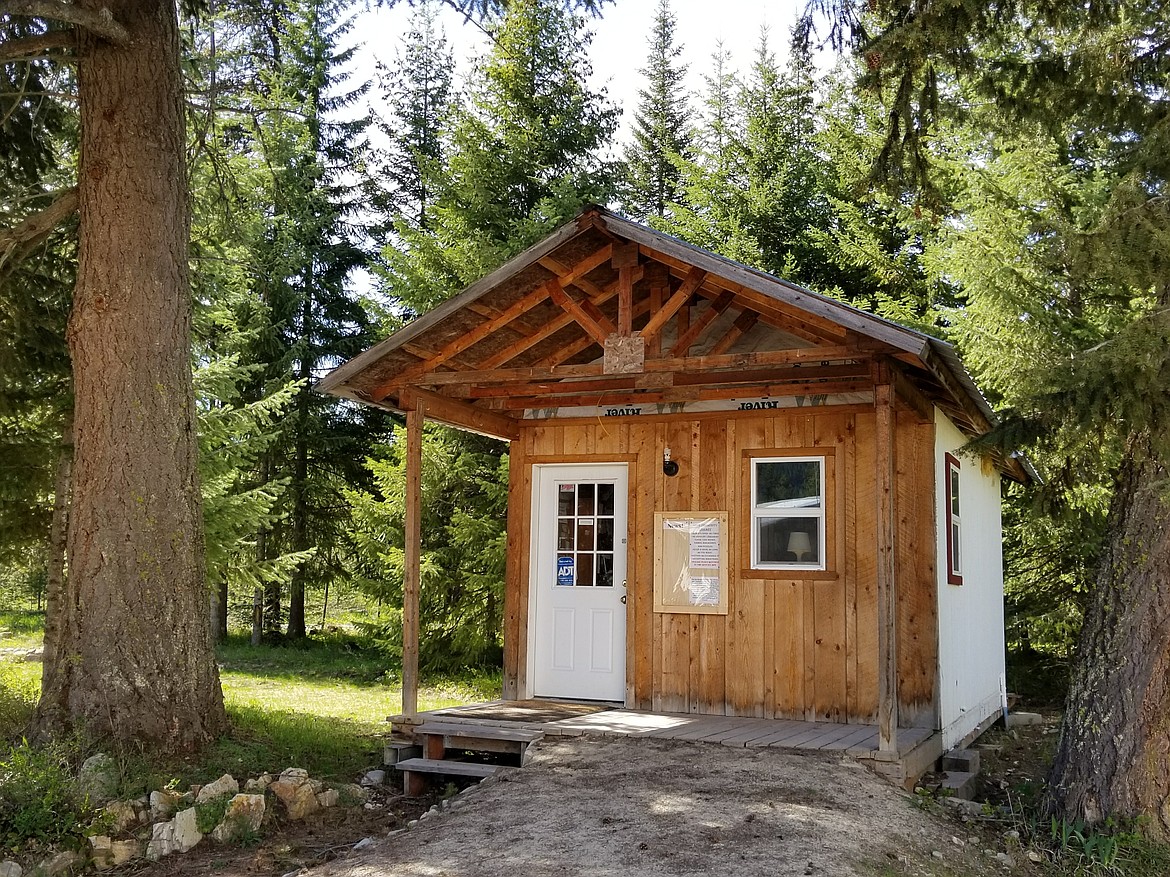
point(580, 719)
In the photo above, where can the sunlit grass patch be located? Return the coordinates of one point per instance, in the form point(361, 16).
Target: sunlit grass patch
point(21, 628)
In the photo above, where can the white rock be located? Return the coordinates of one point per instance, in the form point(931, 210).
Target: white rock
point(363, 843)
point(328, 798)
point(63, 863)
point(187, 833)
point(1005, 860)
point(162, 840)
point(374, 778)
point(9, 868)
point(163, 804)
point(122, 816)
point(294, 775)
point(256, 786)
point(298, 798)
point(1034, 856)
point(223, 787)
point(244, 815)
point(936, 854)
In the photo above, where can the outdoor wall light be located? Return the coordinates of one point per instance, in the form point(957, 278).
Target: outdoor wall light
point(669, 466)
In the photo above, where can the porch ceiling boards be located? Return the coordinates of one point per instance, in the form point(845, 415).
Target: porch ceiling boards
point(607, 312)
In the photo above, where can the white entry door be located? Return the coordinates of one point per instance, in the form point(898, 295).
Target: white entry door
point(577, 582)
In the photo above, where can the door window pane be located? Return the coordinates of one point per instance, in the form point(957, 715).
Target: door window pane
point(585, 499)
point(605, 499)
point(604, 570)
point(565, 534)
point(584, 570)
point(566, 499)
point(585, 535)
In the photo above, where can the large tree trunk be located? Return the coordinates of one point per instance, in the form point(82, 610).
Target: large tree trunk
point(137, 661)
point(1113, 758)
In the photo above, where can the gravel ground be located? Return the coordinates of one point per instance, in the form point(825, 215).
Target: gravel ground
point(627, 808)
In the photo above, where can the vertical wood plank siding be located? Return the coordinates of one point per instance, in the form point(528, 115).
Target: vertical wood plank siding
point(791, 648)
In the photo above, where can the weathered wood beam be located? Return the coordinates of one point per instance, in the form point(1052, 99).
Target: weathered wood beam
point(658, 279)
point(887, 591)
point(718, 306)
point(659, 318)
point(624, 261)
point(950, 383)
point(742, 325)
point(412, 560)
point(99, 22)
point(570, 276)
point(547, 331)
point(688, 394)
point(567, 352)
point(687, 364)
point(587, 314)
point(906, 392)
point(461, 415)
point(771, 375)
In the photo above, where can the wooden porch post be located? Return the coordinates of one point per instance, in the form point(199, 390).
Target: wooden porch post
point(887, 596)
point(412, 560)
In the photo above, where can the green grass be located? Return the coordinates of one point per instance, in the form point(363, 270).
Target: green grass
point(21, 628)
point(320, 704)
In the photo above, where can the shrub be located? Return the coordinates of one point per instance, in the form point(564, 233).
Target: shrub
point(39, 801)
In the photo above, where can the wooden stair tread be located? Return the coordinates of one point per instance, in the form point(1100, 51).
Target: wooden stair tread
point(479, 732)
point(456, 768)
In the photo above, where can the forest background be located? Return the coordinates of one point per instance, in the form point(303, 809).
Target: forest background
point(306, 180)
point(992, 173)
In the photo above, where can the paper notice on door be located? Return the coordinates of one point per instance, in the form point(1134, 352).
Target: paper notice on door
point(704, 545)
point(704, 590)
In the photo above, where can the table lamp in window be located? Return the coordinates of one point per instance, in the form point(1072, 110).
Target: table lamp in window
point(800, 545)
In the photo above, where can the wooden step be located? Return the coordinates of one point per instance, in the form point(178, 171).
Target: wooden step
point(438, 737)
point(479, 732)
point(414, 783)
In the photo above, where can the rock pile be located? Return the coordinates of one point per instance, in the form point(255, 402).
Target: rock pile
point(168, 821)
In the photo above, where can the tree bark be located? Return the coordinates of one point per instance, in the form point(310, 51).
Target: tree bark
point(1113, 758)
point(55, 603)
point(137, 661)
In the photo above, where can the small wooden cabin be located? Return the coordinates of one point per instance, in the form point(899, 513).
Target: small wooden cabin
point(728, 495)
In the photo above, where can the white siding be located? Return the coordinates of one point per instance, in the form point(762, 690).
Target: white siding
point(970, 615)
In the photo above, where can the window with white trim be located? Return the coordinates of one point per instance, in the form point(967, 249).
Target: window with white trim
point(788, 513)
point(954, 528)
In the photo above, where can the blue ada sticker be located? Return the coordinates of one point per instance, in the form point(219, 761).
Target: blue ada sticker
point(565, 570)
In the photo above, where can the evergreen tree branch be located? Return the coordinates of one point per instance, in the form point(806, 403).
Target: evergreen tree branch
point(34, 47)
point(17, 241)
point(99, 22)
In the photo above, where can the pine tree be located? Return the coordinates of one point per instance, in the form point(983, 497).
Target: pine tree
point(311, 244)
point(662, 127)
point(419, 93)
point(1086, 301)
point(524, 157)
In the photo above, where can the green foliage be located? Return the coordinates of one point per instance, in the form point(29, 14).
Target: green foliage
point(662, 127)
point(524, 157)
point(419, 96)
point(1099, 850)
point(464, 539)
point(209, 814)
point(39, 803)
point(20, 686)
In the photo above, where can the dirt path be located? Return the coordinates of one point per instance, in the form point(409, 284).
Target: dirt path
point(626, 808)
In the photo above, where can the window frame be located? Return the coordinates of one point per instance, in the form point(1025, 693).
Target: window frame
point(953, 514)
point(752, 561)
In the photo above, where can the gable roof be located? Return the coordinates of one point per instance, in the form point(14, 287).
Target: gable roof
point(540, 321)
